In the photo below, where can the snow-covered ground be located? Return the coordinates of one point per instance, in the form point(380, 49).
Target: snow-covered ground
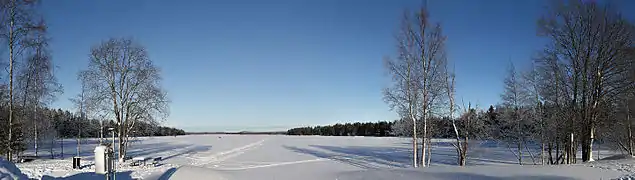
point(315, 157)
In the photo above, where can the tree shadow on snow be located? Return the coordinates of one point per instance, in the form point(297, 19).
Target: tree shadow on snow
point(399, 157)
point(190, 150)
point(409, 174)
point(473, 176)
point(91, 175)
point(167, 151)
point(451, 158)
point(360, 156)
point(153, 148)
point(479, 153)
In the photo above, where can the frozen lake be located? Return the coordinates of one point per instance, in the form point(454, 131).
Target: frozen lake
point(312, 157)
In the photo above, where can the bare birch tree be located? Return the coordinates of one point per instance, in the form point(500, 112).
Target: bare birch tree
point(534, 102)
point(513, 97)
point(19, 19)
point(402, 95)
point(417, 73)
point(81, 102)
point(122, 80)
point(459, 146)
point(36, 80)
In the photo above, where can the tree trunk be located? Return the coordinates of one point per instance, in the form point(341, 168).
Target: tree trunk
point(78, 145)
point(429, 151)
point(520, 139)
point(425, 144)
point(414, 141)
point(62, 148)
point(459, 149)
point(542, 153)
point(549, 150)
point(531, 155)
point(464, 152)
point(519, 151)
point(121, 143)
point(589, 155)
point(569, 149)
point(571, 153)
point(35, 125)
point(542, 139)
point(11, 44)
point(52, 145)
point(630, 130)
point(35, 139)
point(562, 157)
point(599, 151)
point(565, 153)
point(558, 153)
point(414, 144)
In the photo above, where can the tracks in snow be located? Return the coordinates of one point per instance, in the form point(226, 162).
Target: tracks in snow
point(271, 164)
point(222, 156)
point(217, 160)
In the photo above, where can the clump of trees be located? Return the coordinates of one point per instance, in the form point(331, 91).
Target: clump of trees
point(57, 124)
point(585, 75)
point(29, 84)
point(579, 89)
point(120, 83)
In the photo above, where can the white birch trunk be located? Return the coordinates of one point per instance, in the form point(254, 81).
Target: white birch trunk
point(414, 144)
point(425, 144)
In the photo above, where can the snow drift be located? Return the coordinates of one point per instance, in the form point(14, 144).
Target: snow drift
point(8, 171)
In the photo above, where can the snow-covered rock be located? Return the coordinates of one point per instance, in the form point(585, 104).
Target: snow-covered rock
point(8, 171)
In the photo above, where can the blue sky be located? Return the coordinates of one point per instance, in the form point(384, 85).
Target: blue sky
point(270, 65)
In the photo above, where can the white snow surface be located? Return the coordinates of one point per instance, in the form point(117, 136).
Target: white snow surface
point(622, 163)
point(312, 157)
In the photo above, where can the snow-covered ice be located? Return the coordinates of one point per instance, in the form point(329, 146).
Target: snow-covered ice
point(314, 157)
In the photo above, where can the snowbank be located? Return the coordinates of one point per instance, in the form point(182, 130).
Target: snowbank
point(56, 168)
point(188, 172)
point(619, 163)
point(617, 157)
point(8, 171)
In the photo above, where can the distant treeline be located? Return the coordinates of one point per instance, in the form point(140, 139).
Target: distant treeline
point(242, 132)
point(379, 129)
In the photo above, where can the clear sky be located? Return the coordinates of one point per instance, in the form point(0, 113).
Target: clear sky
point(269, 65)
